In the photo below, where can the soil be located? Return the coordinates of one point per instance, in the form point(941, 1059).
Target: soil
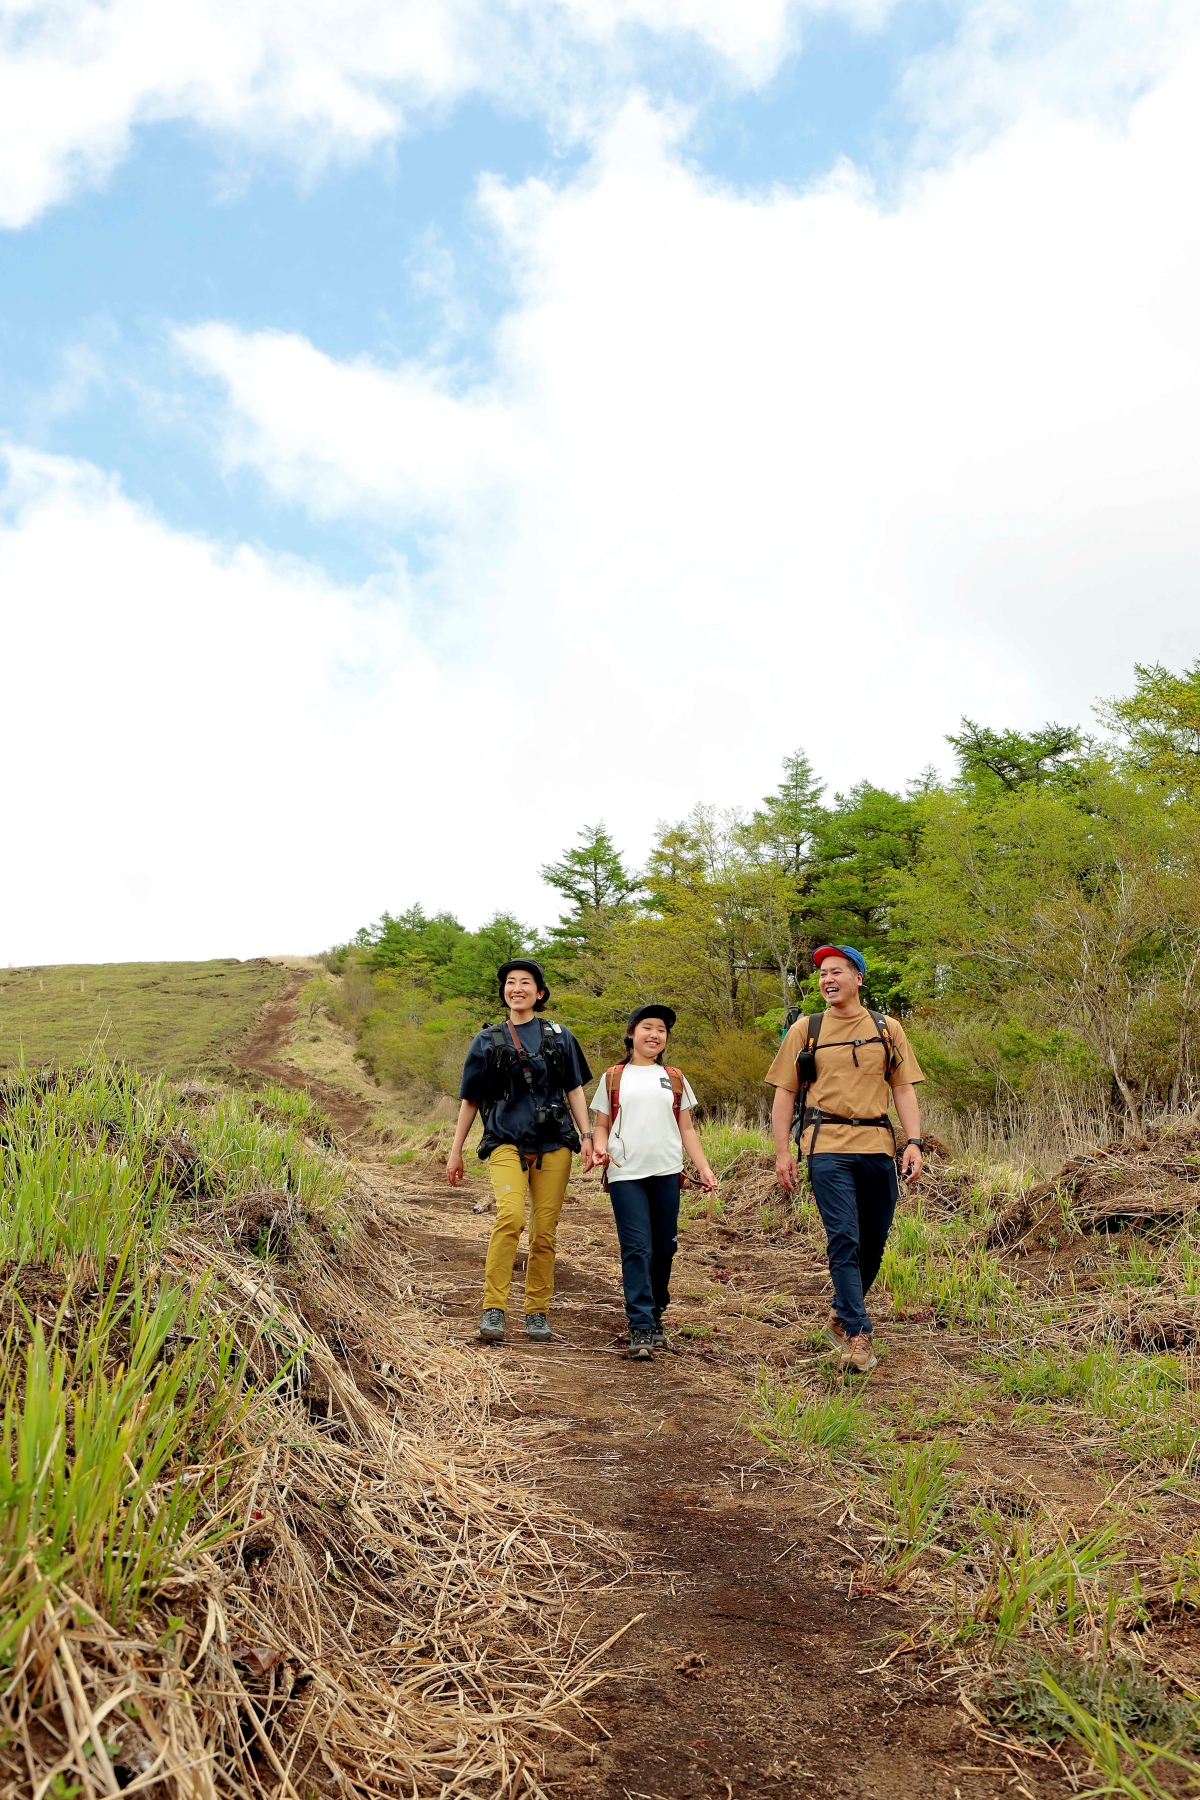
point(752, 1663)
point(757, 1668)
point(262, 1054)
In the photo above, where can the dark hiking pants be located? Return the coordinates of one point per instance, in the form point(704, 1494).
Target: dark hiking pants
point(856, 1197)
point(647, 1216)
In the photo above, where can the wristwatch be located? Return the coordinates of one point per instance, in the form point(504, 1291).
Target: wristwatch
point(919, 1142)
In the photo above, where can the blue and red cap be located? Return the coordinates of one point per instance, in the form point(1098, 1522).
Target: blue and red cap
point(847, 950)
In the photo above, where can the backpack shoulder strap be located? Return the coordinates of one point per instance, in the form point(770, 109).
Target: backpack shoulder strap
point(812, 1030)
point(883, 1026)
point(676, 1079)
point(614, 1090)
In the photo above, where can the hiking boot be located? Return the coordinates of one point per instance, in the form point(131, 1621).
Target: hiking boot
point(537, 1326)
point(658, 1338)
point(837, 1330)
point(859, 1358)
point(491, 1325)
point(641, 1346)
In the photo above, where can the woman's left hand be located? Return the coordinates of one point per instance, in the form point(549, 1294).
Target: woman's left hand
point(708, 1180)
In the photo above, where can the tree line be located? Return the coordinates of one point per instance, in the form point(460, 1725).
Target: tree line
point(1035, 918)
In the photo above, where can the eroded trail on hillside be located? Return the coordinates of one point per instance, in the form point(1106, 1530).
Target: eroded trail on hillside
point(760, 1665)
point(755, 1669)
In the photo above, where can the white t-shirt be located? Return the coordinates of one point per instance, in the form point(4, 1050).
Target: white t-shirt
point(646, 1140)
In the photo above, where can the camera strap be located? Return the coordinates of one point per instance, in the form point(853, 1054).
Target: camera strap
point(526, 1066)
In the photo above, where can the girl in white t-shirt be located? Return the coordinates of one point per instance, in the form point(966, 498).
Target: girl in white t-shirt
point(642, 1149)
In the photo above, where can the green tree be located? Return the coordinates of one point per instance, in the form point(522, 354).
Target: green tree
point(470, 973)
point(411, 938)
point(1160, 725)
point(992, 763)
point(592, 877)
point(785, 825)
point(1077, 918)
point(860, 846)
point(703, 941)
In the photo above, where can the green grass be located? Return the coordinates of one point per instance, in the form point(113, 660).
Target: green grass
point(932, 1268)
point(1144, 1397)
point(94, 1159)
point(1032, 1695)
point(1125, 1762)
point(171, 1018)
point(117, 1382)
point(792, 1418)
point(1027, 1581)
point(724, 1144)
point(914, 1489)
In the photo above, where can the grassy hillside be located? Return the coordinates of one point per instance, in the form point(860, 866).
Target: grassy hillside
point(250, 1511)
point(170, 1018)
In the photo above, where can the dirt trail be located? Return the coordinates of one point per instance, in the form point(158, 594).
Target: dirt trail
point(756, 1671)
point(752, 1673)
point(264, 1052)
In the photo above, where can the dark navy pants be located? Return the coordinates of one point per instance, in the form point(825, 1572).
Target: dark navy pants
point(856, 1198)
point(647, 1216)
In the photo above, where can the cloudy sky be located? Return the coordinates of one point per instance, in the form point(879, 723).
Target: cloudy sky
point(428, 426)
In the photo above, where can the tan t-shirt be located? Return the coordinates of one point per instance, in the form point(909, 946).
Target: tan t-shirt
point(857, 1093)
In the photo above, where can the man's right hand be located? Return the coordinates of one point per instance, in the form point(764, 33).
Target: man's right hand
point(455, 1172)
point(786, 1172)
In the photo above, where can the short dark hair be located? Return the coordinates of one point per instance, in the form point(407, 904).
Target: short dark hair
point(527, 966)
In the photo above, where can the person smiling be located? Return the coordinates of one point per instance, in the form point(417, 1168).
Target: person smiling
point(844, 1065)
point(643, 1126)
point(527, 1076)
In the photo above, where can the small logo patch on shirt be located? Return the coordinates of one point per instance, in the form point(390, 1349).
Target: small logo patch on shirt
point(665, 1081)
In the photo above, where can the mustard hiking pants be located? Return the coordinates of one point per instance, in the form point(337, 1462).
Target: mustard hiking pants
point(515, 1178)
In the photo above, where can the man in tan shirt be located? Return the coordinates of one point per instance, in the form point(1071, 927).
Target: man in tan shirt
point(849, 1076)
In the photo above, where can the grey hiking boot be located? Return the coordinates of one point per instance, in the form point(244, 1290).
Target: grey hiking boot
point(641, 1346)
point(537, 1326)
point(658, 1338)
point(492, 1323)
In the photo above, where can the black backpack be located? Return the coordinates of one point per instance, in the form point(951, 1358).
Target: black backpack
point(804, 1115)
point(506, 1054)
point(552, 1123)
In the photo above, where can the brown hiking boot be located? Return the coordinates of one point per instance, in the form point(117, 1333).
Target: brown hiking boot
point(859, 1358)
point(837, 1330)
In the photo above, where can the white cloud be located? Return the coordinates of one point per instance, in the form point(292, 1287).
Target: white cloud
point(956, 435)
point(315, 78)
point(180, 728)
point(750, 471)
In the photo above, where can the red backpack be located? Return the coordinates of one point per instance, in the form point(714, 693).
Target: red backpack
point(614, 1098)
point(614, 1090)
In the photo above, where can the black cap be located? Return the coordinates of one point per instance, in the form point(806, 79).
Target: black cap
point(531, 968)
point(665, 1013)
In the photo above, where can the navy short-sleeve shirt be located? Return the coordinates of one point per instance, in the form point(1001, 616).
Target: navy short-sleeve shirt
point(511, 1120)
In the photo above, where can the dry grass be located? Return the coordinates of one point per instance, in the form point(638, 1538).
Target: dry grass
point(364, 1600)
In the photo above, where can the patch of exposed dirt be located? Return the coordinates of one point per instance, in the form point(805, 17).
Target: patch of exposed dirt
point(263, 1052)
point(756, 1664)
point(757, 1668)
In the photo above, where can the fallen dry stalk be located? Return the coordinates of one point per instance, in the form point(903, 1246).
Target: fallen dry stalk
point(383, 1614)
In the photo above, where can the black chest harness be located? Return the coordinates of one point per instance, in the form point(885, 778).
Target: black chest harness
point(552, 1123)
point(804, 1115)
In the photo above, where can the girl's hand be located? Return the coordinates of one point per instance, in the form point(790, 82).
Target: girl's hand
point(708, 1180)
point(455, 1172)
point(599, 1159)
